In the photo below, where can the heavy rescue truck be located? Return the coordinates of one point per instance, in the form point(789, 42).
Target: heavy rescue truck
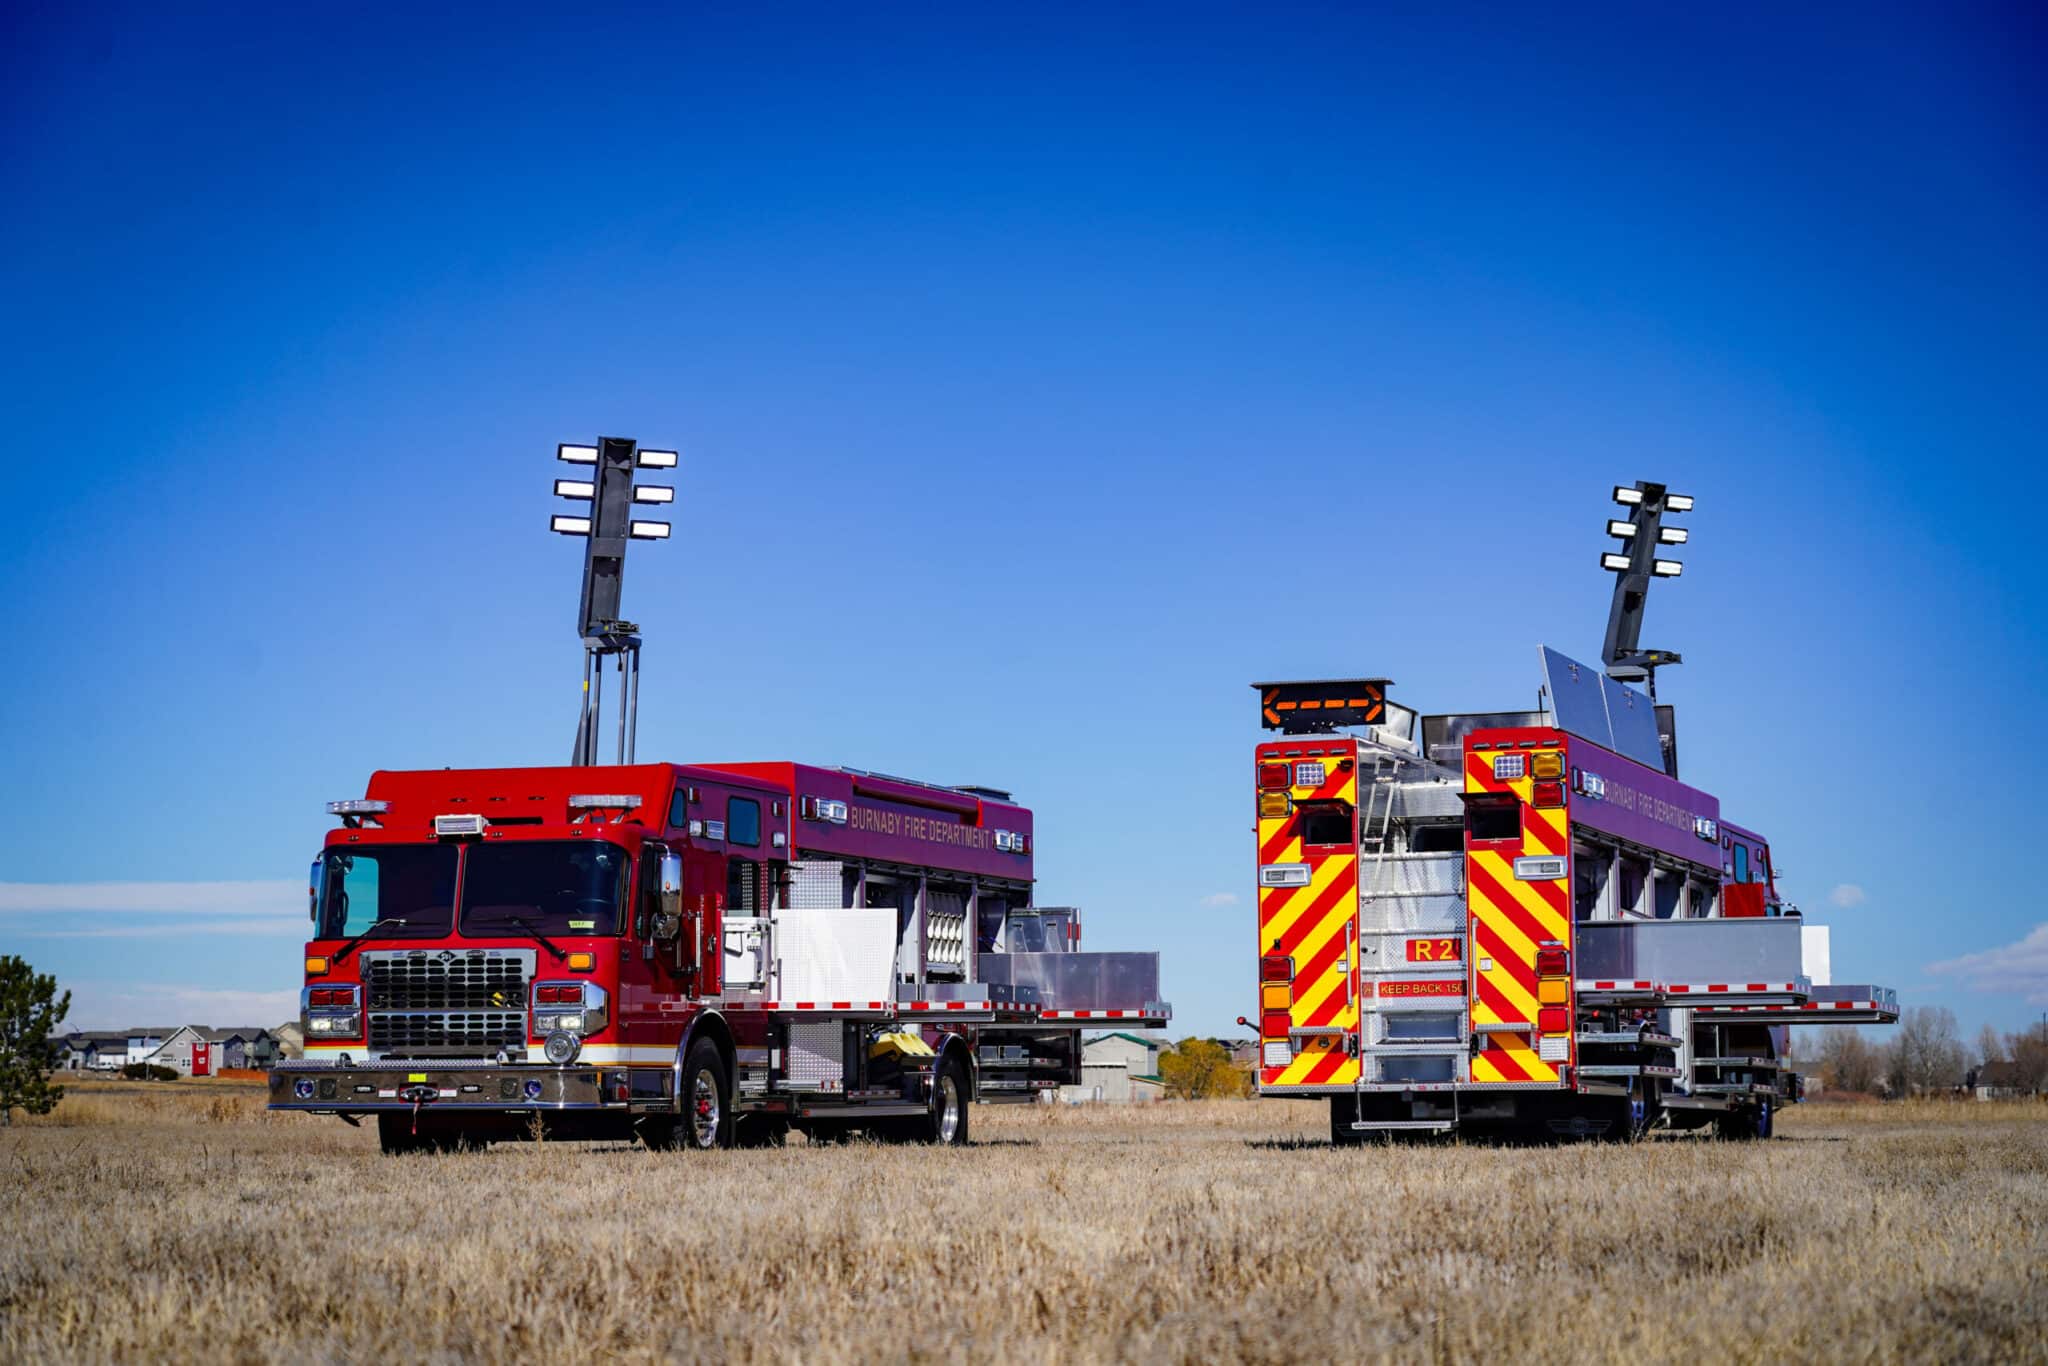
point(701, 955)
point(1523, 922)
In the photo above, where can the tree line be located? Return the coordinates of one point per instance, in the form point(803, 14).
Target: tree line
point(1926, 1056)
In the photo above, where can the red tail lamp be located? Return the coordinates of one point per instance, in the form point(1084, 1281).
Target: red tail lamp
point(1548, 794)
point(1552, 962)
point(1274, 1024)
point(1276, 968)
point(1554, 1020)
point(1273, 777)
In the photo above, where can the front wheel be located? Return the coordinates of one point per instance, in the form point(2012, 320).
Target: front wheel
point(706, 1121)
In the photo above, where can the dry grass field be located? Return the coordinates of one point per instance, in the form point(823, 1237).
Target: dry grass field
point(179, 1222)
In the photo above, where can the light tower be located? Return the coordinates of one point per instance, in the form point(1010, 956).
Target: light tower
point(611, 495)
point(1642, 534)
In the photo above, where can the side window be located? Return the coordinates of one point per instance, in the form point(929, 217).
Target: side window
point(1741, 863)
point(679, 810)
point(742, 821)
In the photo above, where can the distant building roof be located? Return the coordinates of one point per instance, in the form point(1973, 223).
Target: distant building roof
point(1119, 1034)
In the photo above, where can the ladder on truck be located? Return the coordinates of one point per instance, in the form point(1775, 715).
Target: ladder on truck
point(1380, 940)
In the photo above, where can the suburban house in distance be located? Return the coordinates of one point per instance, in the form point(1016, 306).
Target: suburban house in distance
point(1118, 1068)
point(191, 1050)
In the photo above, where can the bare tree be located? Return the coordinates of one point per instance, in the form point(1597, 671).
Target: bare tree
point(1849, 1063)
point(2027, 1051)
point(1926, 1055)
point(1990, 1046)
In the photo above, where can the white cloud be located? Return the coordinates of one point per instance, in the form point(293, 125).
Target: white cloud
point(295, 926)
point(1847, 894)
point(1220, 899)
point(2019, 969)
point(122, 1005)
point(175, 898)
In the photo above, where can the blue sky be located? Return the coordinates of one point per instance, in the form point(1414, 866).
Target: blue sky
point(1042, 377)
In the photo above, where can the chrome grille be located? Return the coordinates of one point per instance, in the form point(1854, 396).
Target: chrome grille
point(445, 1002)
point(435, 1033)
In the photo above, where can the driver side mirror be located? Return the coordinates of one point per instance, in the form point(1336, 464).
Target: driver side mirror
point(669, 923)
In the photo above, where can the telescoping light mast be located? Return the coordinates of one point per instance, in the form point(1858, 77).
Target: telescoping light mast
point(609, 524)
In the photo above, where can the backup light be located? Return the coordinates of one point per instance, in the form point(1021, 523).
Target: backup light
point(1678, 502)
point(1621, 529)
point(570, 526)
point(575, 488)
point(1673, 535)
point(1613, 561)
point(576, 455)
point(1284, 875)
point(1666, 569)
point(1310, 773)
point(653, 493)
point(1539, 868)
point(1508, 767)
point(655, 460)
point(1628, 496)
point(649, 531)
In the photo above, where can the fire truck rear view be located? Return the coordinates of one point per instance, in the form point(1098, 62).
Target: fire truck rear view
point(1523, 922)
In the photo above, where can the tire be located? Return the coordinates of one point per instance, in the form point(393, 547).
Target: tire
point(1343, 1114)
point(395, 1135)
point(945, 1122)
point(706, 1119)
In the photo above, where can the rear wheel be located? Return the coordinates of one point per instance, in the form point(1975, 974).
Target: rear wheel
point(706, 1121)
point(1343, 1114)
point(945, 1122)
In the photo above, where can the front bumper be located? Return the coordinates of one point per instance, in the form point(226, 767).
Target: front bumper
point(407, 1084)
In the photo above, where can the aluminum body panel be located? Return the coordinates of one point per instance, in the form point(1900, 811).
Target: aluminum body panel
point(1689, 951)
point(1078, 981)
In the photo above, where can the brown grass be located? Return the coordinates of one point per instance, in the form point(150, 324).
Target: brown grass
point(181, 1222)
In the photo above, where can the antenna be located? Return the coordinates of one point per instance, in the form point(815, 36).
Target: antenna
point(1642, 534)
point(611, 495)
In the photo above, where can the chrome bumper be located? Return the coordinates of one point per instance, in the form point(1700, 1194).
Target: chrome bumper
point(400, 1084)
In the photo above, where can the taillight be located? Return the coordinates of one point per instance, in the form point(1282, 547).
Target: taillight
point(1276, 968)
point(1272, 776)
point(1552, 962)
point(1554, 1021)
point(1274, 1024)
point(1548, 794)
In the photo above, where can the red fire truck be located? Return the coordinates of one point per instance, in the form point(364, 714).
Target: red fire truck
point(1523, 922)
point(704, 955)
point(699, 955)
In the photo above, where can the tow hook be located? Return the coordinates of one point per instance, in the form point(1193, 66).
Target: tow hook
point(418, 1095)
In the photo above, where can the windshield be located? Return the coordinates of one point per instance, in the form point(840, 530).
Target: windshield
point(414, 883)
point(566, 887)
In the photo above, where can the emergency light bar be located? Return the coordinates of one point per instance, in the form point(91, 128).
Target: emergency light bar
point(603, 801)
point(358, 806)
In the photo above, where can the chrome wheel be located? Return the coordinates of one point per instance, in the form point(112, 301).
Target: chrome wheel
point(950, 1108)
point(705, 1114)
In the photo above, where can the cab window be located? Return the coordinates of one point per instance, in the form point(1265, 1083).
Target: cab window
point(1741, 863)
point(742, 821)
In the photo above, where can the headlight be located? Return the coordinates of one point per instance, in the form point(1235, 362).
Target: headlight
point(548, 1024)
point(343, 1025)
